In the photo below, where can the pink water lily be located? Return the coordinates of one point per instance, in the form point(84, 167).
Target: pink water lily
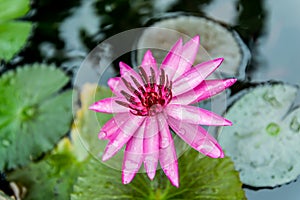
point(149, 102)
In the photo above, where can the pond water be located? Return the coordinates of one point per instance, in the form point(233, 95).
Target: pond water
point(270, 30)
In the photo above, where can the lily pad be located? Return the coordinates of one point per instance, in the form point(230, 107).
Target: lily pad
point(216, 40)
point(33, 115)
point(51, 178)
point(264, 140)
point(200, 178)
point(13, 34)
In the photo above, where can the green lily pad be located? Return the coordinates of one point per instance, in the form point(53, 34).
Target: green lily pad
point(51, 178)
point(13, 34)
point(87, 123)
point(33, 116)
point(200, 178)
point(13, 9)
point(264, 139)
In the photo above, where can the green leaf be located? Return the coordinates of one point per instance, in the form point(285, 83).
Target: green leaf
point(13, 34)
point(33, 116)
point(264, 139)
point(52, 177)
point(88, 123)
point(13, 9)
point(200, 178)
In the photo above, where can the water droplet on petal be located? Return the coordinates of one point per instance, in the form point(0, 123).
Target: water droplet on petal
point(182, 131)
point(116, 144)
point(207, 148)
point(164, 143)
point(102, 135)
point(130, 165)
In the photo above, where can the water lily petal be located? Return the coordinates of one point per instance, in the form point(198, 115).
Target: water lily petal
point(167, 152)
point(124, 68)
point(171, 61)
point(195, 115)
point(123, 135)
point(151, 146)
point(149, 62)
point(189, 53)
point(195, 76)
point(109, 105)
point(204, 90)
point(133, 156)
point(116, 85)
point(197, 137)
point(109, 129)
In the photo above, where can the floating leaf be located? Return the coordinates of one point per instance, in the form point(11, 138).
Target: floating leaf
point(216, 39)
point(263, 143)
point(13, 34)
point(200, 178)
point(52, 177)
point(33, 117)
point(13, 9)
point(87, 124)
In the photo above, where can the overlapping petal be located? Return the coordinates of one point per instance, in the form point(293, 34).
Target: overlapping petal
point(167, 152)
point(195, 115)
point(109, 130)
point(151, 146)
point(123, 135)
point(188, 56)
point(205, 90)
point(133, 155)
point(150, 62)
point(195, 76)
point(171, 61)
point(116, 85)
point(197, 137)
point(110, 105)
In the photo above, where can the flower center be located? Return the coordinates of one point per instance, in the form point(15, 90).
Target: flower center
point(151, 97)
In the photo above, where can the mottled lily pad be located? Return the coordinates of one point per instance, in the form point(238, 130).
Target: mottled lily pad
point(13, 34)
point(33, 115)
point(51, 178)
point(264, 140)
point(216, 41)
point(200, 178)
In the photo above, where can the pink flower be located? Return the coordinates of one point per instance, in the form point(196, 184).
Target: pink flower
point(149, 102)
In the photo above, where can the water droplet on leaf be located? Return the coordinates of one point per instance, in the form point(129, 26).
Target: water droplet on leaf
point(271, 99)
point(129, 165)
point(273, 129)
